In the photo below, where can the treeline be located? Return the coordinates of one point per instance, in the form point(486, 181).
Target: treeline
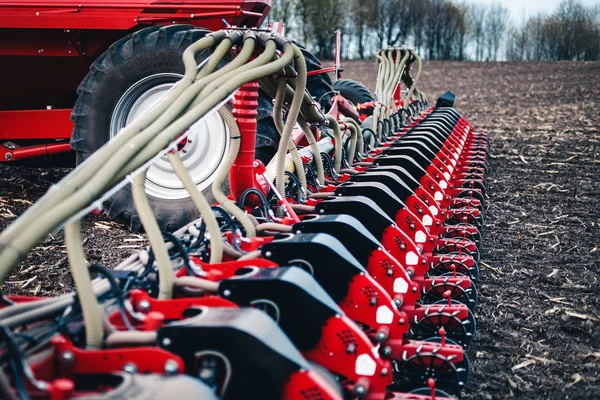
point(442, 29)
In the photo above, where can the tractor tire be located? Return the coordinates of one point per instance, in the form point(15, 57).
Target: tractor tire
point(354, 91)
point(131, 75)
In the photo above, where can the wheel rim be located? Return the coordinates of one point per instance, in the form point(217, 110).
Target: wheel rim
point(203, 150)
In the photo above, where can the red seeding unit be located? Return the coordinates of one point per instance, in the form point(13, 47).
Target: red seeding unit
point(339, 261)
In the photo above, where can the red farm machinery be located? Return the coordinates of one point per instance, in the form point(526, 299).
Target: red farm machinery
point(333, 253)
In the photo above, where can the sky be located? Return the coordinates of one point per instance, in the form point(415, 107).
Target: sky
point(519, 8)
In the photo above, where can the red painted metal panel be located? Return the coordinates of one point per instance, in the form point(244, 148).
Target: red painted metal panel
point(86, 14)
point(35, 124)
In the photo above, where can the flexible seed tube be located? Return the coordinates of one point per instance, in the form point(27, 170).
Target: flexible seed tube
point(308, 110)
point(250, 256)
point(338, 142)
point(414, 83)
point(81, 198)
point(303, 209)
point(94, 334)
point(212, 63)
point(352, 150)
point(390, 80)
point(315, 150)
point(401, 62)
point(161, 254)
point(278, 119)
point(272, 226)
point(360, 139)
point(197, 283)
point(212, 226)
point(265, 57)
point(131, 338)
point(377, 108)
point(223, 172)
point(292, 116)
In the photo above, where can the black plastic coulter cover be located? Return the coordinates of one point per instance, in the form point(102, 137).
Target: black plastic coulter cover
point(408, 163)
point(298, 303)
point(354, 236)
point(330, 262)
point(446, 100)
point(262, 357)
point(378, 192)
point(362, 208)
point(389, 179)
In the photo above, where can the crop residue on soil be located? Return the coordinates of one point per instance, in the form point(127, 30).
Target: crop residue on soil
point(539, 312)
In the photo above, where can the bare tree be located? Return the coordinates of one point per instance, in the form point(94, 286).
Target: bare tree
point(363, 17)
point(477, 16)
point(324, 18)
point(495, 28)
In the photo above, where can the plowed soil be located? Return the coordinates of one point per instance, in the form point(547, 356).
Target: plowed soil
point(538, 318)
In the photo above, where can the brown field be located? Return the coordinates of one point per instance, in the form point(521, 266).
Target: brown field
point(538, 318)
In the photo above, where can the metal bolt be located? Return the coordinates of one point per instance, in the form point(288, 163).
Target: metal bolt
point(360, 390)
point(67, 357)
point(8, 156)
point(381, 336)
point(192, 15)
point(414, 289)
point(144, 306)
point(387, 351)
point(227, 293)
point(37, 14)
point(268, 254)
point(166, 342)
point(130, 368)
point(255, 164)
point(321, 211)
point(384, 372)
point(390, 272)
point(171, 367)
point(350, 349)
point(397, 302)
point(401, 322)
point(412, 226)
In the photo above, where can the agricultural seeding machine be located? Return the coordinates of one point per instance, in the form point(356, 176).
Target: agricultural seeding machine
point(335, 258)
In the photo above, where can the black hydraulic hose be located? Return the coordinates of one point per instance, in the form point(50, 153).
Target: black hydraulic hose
point(263, 199)
point(114, 286)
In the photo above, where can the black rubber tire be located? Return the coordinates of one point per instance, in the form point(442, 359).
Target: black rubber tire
point(354, 91)
point(152, 50)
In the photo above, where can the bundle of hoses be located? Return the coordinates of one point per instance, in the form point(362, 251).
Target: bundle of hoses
point(199, 92)
point(394, 67)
